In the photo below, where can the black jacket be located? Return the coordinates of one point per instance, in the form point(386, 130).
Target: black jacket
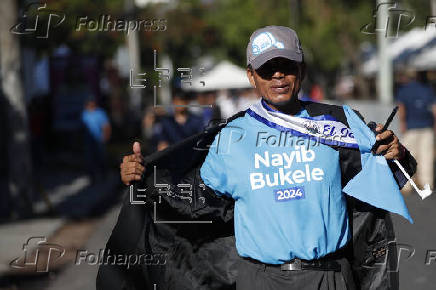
point(203, 255)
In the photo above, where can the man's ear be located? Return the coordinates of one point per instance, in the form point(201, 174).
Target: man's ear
point(250, 77)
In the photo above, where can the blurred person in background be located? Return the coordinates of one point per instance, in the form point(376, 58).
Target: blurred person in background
point(236, 100)
point(176, 126)
point(245, 98)
point(97, 133)
point(344, 88)
point(316, 93)
point(207, 114)
point(149, 118)
point(417, 112)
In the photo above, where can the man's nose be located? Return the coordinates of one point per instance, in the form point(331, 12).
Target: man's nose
point(278, 74)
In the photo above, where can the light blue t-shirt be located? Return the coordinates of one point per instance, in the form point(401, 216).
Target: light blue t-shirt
point(94, 122)
point(287, 191)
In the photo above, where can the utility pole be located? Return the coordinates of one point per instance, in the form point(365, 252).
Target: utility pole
point(293, 13)
point(17, 135)
point(384, 74)
point(135, 62)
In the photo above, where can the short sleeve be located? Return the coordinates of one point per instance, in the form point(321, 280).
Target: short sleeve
point(214, 170)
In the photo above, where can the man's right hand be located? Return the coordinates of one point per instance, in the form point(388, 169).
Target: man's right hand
point(131, 168)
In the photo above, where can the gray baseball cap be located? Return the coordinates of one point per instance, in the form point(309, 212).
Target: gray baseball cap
point(273, 41)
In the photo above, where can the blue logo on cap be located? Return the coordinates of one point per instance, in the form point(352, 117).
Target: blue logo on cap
point(264, 41)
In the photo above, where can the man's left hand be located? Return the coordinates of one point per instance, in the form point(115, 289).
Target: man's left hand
point(390, 146)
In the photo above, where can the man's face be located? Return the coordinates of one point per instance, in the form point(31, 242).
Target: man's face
point(178, 101)
point(91, 105)
point(276, 80)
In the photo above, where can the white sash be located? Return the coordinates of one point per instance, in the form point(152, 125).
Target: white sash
point(324, 129)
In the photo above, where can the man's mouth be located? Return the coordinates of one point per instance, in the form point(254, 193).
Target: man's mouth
point(280, 88)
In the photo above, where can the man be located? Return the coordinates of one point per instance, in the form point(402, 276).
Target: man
point(294, 227)
point(97, 133)
point(177, 126)
point(206, 113)
point(417, 113)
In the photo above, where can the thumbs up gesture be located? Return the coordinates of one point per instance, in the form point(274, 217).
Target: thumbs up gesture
point(131, 168)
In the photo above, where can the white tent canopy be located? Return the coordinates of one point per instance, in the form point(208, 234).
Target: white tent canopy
point(425, 60)
point(410, 42)
point(224, 75)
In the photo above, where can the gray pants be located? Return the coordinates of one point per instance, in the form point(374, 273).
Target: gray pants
point(252, 276)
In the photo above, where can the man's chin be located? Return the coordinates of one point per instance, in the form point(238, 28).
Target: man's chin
point(279, 102)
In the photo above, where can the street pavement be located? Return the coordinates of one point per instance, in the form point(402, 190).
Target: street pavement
point(414, 273)
point(81, 275)
point(15, 235)
point(89, 236)
point(78, 206)
point(415, 241)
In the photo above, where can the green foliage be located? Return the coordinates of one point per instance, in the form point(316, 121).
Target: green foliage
point(84, 42)
point(329, 29)
point(325, 26)
point(421, 8)
point(320, 25)
point(235, 20)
